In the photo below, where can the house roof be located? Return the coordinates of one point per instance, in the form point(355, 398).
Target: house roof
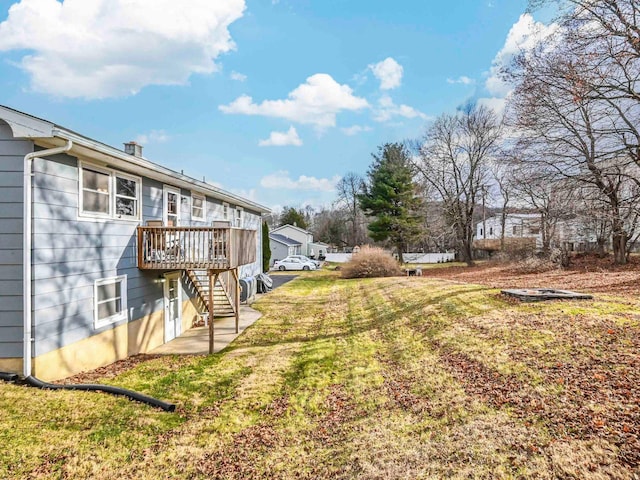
point(521, 216)
point(289, 242)
point(292, 226)
point(48, 134)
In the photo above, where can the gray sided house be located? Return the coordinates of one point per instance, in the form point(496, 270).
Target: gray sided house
point(300, 235)
point(282, 247)
point(104, 254)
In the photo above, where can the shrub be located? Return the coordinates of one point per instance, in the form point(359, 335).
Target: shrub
point(534, 265)
point(370, 262)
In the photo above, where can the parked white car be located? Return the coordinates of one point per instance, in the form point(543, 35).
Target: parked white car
point(289, 263)
point(304, 259)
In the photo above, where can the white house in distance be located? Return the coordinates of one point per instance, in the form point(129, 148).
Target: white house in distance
point(293, 240)
point(516, 225)
point(526, 226)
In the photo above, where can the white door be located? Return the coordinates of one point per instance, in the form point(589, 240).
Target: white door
point(172, 307)
point(171, 206)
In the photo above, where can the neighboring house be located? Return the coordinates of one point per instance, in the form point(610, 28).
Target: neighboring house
point(524, 229)
point(282, 247)
point(318, 249)
point(104, 254)
point(304, 237)
point(523, 225)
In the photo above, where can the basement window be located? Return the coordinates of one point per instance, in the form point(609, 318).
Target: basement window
point(110, 300)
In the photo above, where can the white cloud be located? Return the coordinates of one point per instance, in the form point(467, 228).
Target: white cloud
point(386, 110)
point(240, 77)
point(315, 102)
point(282, 180)
point(524, 35)
point(250, 194)
point(355, 129)
point(113, 48)
point(462, 79)
point(280, 139)
point(497, 104)
point(154, 136)
point(389, 72)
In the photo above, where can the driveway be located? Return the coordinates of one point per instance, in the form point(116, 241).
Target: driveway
point(279, 280)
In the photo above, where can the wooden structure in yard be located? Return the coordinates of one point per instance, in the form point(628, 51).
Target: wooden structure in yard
point(510, 244)
point(209, 257)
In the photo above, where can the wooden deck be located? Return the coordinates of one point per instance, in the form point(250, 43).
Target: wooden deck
point(510, 243)
point(195, 248)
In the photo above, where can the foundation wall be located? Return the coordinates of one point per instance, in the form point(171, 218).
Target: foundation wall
point(139, 336)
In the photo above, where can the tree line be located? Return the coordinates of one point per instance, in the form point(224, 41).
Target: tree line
point(567, 147)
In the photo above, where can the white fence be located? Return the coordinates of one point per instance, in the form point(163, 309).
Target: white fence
point(408, 257)
point(338, 257)
point(428, 257)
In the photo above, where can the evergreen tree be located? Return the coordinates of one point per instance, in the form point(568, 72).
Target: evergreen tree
point(266, 247)
point(390, 195)
point(291, 216)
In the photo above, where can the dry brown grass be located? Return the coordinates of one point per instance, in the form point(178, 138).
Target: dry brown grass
point(370, 262)
point(585, 274)
point(386, 378)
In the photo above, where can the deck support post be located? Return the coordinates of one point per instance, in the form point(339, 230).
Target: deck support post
point(213, 278)
point(236, 298)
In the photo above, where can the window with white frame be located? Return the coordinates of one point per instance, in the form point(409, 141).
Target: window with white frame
point(198, 205)
point(96, 191)
point(110, 300)
point(238, 219)
point(108, 193)
point(127, 196)
point(225, 211)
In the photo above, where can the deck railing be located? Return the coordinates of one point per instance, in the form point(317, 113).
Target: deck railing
point(188, 248)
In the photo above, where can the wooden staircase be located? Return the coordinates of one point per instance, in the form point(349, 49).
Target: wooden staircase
point(224, 306)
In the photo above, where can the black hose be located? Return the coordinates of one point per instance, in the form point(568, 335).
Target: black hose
point(88, 387)
point(138, 397)
point(8, 377)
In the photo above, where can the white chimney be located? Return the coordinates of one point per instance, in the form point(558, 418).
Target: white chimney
point(133, 148)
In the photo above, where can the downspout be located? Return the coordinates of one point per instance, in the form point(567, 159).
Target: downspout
point(26, 249)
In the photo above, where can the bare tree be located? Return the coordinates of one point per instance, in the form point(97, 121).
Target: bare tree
point(454, 160)
point(567, 130)
point(505, 183)
point(348, 188)
point(549, 195)
point(603, 38)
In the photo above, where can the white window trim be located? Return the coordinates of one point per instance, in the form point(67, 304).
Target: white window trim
point(138, 198)
point(123, 314)
point(81, 211)
point(204, 206)
point(165, 215)
point(112, 194)
point(225, 211)
point(237, 219)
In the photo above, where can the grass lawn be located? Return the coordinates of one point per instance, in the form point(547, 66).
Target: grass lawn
point(383, 378)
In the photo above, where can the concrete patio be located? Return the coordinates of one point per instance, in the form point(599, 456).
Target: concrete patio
point(196, 340)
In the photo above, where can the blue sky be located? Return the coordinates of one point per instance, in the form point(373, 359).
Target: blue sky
point(275, 100)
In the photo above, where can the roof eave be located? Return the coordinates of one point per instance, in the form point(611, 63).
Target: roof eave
point(88, 147)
